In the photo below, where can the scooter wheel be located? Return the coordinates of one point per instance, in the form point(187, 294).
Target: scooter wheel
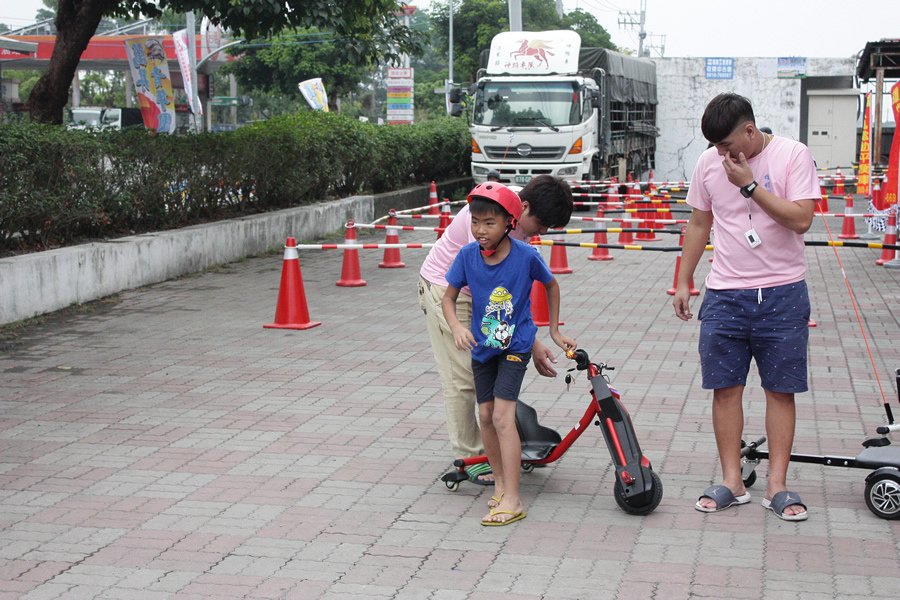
point(644, 505)
point(527, 467)
point(452, 485)
point(883, 496)
point(751, 479)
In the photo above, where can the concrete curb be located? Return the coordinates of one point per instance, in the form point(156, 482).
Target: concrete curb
point(34, 284)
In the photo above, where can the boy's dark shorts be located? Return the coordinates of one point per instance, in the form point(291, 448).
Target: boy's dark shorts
point(500, 377)
point(735, 326)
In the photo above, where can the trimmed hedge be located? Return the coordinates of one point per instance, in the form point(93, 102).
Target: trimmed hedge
point(61, 186)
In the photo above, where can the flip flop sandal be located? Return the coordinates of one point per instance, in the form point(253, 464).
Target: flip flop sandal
point(495, 500)
point(516, 516)
point(475, 471)
point(723, 497)
point(781, 501)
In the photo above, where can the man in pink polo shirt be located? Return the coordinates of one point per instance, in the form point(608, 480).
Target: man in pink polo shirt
point(757, 193)
point(547, 203)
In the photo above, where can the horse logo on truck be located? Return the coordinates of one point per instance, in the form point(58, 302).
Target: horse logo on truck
point(538, 49)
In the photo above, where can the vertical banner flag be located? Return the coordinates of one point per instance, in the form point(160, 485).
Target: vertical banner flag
point(180, 38)
point(890, 186)
point(210, 39)
point(150, 72)
point(314, 92)
point(865, 151)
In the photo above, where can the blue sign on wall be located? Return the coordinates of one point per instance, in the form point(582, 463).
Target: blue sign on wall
point(720, 68)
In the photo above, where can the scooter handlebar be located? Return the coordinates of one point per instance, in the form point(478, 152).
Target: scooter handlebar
point(581, 358)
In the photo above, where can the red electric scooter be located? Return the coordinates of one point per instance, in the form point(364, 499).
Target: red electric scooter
point(638, 489)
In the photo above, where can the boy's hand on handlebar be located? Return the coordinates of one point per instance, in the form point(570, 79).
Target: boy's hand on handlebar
point(565, 342)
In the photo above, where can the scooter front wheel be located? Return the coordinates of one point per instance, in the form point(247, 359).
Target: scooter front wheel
point(644, 505)
point(883, 496)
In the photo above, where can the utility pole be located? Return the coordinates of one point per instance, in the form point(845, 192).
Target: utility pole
point(450, 70)
point(515, 15)
point(628, 18)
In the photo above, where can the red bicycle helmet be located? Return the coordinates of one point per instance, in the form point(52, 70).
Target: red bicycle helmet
point(502, 195)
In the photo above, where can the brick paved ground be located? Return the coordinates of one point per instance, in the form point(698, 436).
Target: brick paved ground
point(167, 446)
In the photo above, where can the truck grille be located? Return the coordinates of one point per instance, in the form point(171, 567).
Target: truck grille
point(536, 153)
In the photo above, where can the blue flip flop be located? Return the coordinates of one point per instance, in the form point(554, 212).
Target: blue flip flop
point(723, 497)
point(781, 501)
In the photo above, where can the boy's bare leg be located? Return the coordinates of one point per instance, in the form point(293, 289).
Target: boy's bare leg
point(492, 445)
point(504, 423)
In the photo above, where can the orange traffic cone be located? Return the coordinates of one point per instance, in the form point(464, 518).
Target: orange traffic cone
point(822, 203)
point(848, 231)
point(392, 255)
point(671, 291)
point(291, 311)
point(648, 216)
point(838, 183)
point(890, 237)
point(559, 263)
point(444, 221)
point(600, 238)
point(540, 311)
point(350, 276)
point(433, 200)
point(877, 199)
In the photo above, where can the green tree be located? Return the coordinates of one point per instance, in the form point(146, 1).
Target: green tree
point(279, 64)
point(476, 22)
point(369, 31)
point(102, 88)
point(593, 34)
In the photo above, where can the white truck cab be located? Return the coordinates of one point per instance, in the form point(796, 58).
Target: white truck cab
point(541, 106)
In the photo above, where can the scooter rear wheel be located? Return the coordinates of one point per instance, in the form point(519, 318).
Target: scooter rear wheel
point(644, 505)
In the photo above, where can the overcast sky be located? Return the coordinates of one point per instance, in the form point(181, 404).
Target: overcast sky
point(833, 28)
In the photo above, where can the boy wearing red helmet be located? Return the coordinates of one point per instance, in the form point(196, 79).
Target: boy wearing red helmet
point(499, 271)
point(547, 203)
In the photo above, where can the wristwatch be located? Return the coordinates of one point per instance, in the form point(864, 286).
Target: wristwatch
point(747, 190)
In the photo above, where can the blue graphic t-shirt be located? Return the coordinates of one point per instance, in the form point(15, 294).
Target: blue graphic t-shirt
point(501, 297)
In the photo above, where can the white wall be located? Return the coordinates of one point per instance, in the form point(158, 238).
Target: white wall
point(684, 91)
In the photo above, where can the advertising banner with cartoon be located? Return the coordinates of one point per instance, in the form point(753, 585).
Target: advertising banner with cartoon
point(314, 92)
point(150, 72)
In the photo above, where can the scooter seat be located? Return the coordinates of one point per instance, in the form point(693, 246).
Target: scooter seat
point(537, 441)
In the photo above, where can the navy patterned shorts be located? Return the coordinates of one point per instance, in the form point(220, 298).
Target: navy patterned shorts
point(500, 377)
point(770, 325)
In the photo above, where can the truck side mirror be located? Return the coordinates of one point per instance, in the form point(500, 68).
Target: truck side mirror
point(595, 98)
point(454, 96)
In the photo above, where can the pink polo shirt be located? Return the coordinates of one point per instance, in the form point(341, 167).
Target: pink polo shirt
point(457, 235)
point(786, 169)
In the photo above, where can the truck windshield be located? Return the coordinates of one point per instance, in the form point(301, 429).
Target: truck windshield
point(503, 104)
point(86, 117)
